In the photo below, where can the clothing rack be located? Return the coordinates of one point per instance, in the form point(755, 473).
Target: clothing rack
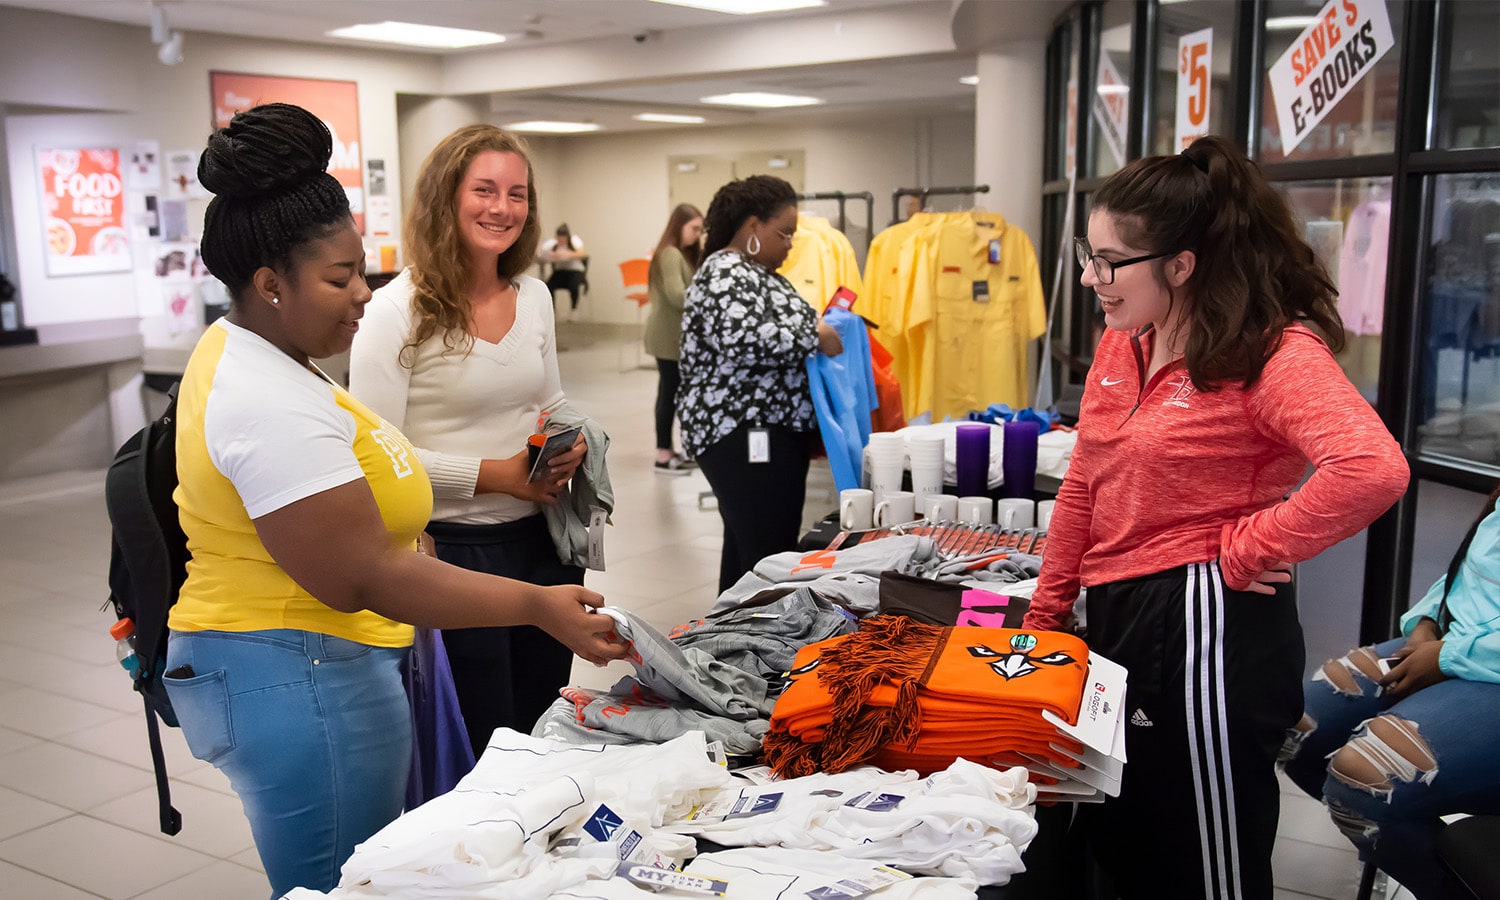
point(924, 193)
point(843, 197)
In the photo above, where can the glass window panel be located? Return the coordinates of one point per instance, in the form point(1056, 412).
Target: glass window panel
point(1063, 117)
point(1459, 411)
point(1110, 115)
point(1173, 22)
point(1347, 221)
point(1363, 122)
point(1468, 113)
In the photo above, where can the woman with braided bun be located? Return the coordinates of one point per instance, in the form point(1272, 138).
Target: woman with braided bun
point(745, 406)
point(1208, 398)
point(302, 510)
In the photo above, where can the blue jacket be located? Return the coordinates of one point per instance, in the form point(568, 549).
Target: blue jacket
point(843, 396)
point(1471, 648)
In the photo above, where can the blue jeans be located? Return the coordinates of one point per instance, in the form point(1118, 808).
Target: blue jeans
point(314, 732)
point(1388, 771)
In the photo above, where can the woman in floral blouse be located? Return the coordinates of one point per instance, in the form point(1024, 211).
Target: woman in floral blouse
point(746, 412)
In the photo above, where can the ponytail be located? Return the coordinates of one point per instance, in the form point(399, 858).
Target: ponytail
point(1254, 276)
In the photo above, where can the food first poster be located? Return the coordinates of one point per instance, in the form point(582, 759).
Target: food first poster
point(335, 102)
point(83, 209)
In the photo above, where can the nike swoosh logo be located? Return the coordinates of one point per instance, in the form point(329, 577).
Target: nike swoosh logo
point(1107, 383)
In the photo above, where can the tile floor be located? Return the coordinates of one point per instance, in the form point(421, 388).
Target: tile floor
point(77, 802)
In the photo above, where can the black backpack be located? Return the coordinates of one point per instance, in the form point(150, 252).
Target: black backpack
point(147, 566)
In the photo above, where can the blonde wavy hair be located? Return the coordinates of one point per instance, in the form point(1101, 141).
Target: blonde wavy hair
point(437, 256)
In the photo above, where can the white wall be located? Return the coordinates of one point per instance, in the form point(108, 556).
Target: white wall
point(612, 189)
point(41, 58)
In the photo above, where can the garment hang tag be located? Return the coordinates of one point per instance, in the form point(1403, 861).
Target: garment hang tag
point(760, 445)
point(597, 518)
point(995, 252)
point(981, 292)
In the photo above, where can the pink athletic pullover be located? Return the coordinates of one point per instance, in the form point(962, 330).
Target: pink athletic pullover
point(1164, 475)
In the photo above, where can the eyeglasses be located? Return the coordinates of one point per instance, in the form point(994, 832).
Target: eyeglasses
point(785, 235)
point(1104, 269)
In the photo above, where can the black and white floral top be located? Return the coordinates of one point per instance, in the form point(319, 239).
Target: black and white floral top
point(746, 337)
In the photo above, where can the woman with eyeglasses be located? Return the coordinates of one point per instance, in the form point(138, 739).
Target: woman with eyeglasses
point(1212, 391)
point(745, 407)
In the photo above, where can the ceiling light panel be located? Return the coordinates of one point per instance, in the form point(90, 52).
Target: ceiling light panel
point(413, 35)
point(541, 126)
point(761, 100)
point(746, 7)
point(668, 118)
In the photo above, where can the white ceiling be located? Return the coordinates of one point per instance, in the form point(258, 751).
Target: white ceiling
point(525, 22)
point(896, 85)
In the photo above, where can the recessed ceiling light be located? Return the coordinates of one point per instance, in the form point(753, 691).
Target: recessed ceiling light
point(761, 99)
point(541, 126)
point(414, 35)
point(1289, 23)
point(745, 7)
point(969, 79)
point(669, 118)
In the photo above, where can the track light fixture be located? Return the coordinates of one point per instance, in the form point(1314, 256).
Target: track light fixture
point(168, 42)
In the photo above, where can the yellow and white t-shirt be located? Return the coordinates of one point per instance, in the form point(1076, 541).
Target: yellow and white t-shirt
point(256, 432)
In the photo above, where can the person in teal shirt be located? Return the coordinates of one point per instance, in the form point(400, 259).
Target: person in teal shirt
point(1395, 736)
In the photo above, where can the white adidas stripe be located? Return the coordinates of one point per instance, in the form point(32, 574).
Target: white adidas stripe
point(1203, 686)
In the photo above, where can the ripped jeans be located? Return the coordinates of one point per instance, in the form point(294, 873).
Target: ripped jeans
point(1388, 771)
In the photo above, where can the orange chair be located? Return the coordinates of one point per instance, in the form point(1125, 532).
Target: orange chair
point(636, 273)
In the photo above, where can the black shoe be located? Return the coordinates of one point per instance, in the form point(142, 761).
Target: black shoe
point(674, 466)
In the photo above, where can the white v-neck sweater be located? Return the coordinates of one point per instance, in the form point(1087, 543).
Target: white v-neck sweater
point(460, 406)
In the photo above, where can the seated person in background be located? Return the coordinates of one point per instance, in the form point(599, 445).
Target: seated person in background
point(1390, 752)
point(566, 254)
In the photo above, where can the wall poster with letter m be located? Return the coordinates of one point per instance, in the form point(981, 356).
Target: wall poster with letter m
point(335, 102)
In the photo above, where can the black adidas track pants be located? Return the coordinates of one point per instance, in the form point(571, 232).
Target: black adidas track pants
point(1215, 682)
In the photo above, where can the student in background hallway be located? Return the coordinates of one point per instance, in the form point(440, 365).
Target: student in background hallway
point(672, 266)
point(302, 510)
point(564, 250)
point(1210, 393)
point(746, 410)
point(459, 351)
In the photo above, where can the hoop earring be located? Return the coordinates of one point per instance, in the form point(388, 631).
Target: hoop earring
point(752, 246)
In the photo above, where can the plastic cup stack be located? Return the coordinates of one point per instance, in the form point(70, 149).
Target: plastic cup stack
point(926, 454)
point(887, 463)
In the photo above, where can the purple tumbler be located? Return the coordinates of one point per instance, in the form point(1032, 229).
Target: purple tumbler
point(971, 457)
point(1019, 459)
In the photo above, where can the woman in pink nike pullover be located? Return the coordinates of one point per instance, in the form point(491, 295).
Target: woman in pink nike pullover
point(1212, 390)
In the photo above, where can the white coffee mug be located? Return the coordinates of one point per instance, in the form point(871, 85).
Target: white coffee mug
point(940, 508)
point(976, 510)
point(1015, 513)
point(856, 509)
point(897, 508)
point(1044, 513)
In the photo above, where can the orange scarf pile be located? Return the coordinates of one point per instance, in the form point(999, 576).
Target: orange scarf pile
point(902, 694)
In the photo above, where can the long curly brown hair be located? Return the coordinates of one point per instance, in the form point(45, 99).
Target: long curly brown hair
point(437, 257)
point(1255, 275)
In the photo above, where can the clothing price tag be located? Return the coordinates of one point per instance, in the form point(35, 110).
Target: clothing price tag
point(716, 754)
point(994, 254)
point(666, 879)
point(875, 802)
point(868, 883)
point(597, 518)
point(981, 292)
point(760, 445)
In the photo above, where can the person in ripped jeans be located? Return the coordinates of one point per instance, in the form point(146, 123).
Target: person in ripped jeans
point(1396, 735)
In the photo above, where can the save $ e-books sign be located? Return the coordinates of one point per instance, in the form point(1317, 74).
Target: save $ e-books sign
point(1325, 62)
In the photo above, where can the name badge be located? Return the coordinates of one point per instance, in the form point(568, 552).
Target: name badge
point(981, 292)
point(760, 445)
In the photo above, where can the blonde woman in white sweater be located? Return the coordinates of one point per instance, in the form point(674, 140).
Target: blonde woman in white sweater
point(459, 352)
